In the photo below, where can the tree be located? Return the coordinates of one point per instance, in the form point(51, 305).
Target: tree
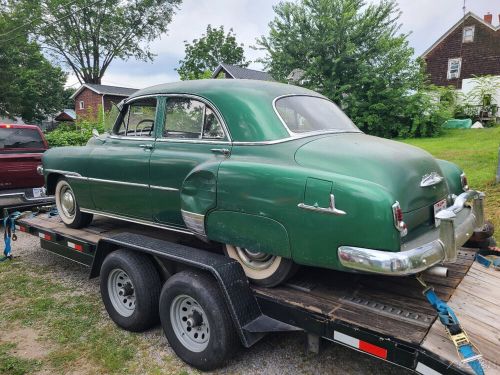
point(353, 53)
point(89, 34)
point(205, 54)
point(30, 86)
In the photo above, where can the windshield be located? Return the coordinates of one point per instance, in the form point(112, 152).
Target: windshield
point(303, 114)
point(20, 138)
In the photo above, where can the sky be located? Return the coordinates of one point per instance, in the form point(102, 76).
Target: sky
point(425, 20)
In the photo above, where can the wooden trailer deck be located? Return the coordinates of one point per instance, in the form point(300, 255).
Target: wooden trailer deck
point(389, 306)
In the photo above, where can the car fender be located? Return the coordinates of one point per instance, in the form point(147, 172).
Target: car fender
point(451, 172)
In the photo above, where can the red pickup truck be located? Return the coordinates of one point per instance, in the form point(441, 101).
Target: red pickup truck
point(21, 177)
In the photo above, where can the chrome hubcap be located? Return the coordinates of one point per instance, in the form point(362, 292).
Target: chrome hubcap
point(189, 323)
point(68, 202)
point(121, 292)
point(255, 259)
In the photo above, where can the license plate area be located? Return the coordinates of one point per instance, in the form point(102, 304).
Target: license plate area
point(38, 192)
point(439, 206)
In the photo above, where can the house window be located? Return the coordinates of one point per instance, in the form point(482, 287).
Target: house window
point(468, 36)
point(82, 104)
point(454, 66)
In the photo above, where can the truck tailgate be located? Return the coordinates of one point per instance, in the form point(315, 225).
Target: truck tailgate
point(18, 170)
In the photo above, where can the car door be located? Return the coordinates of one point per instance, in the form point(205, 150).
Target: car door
point(119, 169)
point(191, 138)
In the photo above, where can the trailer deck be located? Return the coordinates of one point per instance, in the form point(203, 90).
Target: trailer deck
point(389, 315)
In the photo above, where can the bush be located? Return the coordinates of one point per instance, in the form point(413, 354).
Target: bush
point(73, 134)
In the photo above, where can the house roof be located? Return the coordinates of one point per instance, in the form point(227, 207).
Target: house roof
point(105, 90)
point(68, 111)
point(458, 24)
point(242, 73)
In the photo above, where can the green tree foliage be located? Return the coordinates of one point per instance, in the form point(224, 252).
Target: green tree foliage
point(352, 52)
point(30, 86)
point(203, 55)
point(88, 34)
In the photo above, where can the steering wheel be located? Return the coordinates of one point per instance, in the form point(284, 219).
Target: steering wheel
point(142, 121)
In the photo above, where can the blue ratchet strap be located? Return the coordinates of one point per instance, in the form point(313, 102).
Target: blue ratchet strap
point(467, 352)
point(9, 235)
point(489, 259)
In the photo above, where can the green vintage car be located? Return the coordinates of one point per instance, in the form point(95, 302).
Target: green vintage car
point(275, 173)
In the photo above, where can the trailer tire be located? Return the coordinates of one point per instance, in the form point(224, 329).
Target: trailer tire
point(193, 297)
point(130, 290)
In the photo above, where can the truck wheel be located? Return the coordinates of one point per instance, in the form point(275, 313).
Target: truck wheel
point(130, 288)
point(196, 321)
point(262, 269)
point(68, 208)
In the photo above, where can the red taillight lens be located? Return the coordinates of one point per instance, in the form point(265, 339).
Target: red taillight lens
point(463, 180)
point(398, 219)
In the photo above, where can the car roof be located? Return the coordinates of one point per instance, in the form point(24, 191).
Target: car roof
point(246, 105)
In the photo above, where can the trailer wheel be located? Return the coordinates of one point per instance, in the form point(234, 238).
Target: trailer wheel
point(68, 208)
point(130, 288)
point(196, 321)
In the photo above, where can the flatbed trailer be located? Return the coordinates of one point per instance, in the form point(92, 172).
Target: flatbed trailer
point(385, 317)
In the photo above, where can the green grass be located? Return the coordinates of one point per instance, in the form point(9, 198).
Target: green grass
point(476, 152)
point(13, 365)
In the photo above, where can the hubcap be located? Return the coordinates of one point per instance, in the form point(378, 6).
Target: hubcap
point(255, 259)
point(189, 323)
point(67, 202)
point(121, 292)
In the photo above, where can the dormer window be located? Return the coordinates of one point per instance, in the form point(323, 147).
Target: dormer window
point(468, 35)
point(454, 66)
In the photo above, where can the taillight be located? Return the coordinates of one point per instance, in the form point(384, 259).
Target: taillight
point(463, 180)
point(398, 219)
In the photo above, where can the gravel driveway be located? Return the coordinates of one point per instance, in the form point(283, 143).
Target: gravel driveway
point(275, 354)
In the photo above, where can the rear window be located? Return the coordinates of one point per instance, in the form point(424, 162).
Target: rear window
point(20, 138)
point(303, 114)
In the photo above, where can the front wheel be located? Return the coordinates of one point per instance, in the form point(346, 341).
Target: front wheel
point(196, 321)
point(260, 268)
point(68, 208)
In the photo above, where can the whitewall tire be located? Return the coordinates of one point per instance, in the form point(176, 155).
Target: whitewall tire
point(67, 206)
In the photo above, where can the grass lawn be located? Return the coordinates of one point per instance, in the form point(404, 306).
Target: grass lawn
point(476, 151)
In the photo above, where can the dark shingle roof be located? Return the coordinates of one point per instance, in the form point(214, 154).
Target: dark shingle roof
point(106, 90)
point(242, 73)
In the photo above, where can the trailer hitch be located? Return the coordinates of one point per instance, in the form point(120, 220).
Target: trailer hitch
point(466, 350)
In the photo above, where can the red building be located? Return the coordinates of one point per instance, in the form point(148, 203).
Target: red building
point(470, 48)
point(90, 98)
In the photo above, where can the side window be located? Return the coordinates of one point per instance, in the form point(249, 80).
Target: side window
point(191, 119)
point(138, 119)
point(212, 128)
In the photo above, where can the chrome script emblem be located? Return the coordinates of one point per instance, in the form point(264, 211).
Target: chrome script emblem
point(430, 179)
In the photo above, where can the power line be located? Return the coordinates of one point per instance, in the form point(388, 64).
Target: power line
point(30, 22)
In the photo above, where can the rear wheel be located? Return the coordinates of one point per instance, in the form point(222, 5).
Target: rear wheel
point(68, 208)
point(261, 268)
point(196, 321)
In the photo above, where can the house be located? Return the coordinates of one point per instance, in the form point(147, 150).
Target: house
point(470, 48)
point(237, 72)
point(89, 98)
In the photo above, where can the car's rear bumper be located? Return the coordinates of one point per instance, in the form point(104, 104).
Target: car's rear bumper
point(458, 223)
point(23, 198)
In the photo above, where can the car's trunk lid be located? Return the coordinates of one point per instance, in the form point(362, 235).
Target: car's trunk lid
point(394, 165)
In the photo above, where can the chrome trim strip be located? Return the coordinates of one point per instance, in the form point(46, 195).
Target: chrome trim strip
point(129, 138)
point(295, 137)
point(316, 131)
point(427, 255)
point(65, 173)
point(194, 221)
point(137, 221)
point(163, 188)
point(180, 140)
point(116, 182)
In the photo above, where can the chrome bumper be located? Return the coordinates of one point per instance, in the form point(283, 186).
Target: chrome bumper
point(19, 198)
point(444, 248)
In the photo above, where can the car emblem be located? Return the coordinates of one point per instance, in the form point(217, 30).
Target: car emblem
point(430, 179)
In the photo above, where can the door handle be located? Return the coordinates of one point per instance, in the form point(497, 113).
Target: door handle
point(223, 151)
point(147, 146)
